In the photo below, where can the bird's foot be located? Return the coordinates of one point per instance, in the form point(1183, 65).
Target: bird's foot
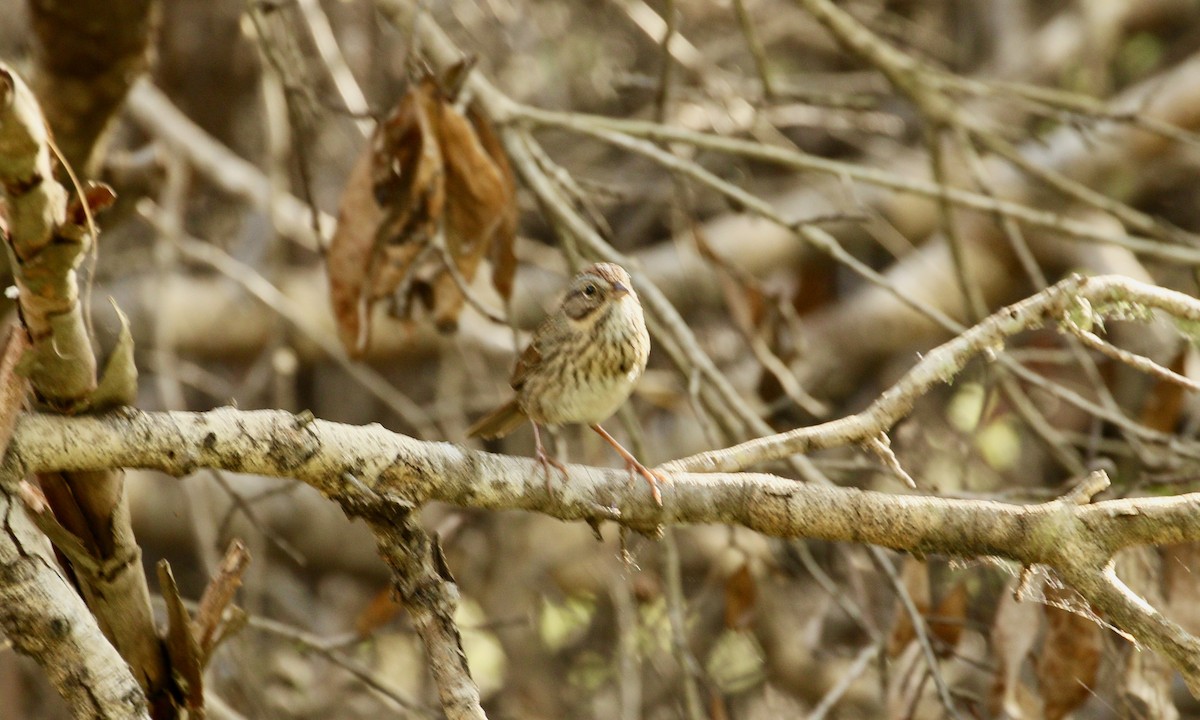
point(653, 477)
point(546, 461)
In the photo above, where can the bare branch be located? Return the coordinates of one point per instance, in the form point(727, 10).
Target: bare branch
point(44, 617)
point(45, 247)
point(357, 465)
point(1074, 296)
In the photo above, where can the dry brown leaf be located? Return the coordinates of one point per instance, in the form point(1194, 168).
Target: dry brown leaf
point(349, 254)
point(99, 197)
point(504, 239)
point(741, 595)
point(410, 184)
point(118, 383)
point(1165, 401)
point(407, 168)
point(948, 619)
point(914, 576)
point(181, 644)
point(1069, 659)
point(382, 609)
point(434, 187)
point(478, 195)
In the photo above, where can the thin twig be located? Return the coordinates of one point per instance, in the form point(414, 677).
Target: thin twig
point(265, 292)
point(689, 668)
point(918, 625)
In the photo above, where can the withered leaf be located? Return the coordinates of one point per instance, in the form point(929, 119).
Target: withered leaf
point(949, 618)
point(382, 609)
point(181, 644)
point(1069, 660)
point(433, 188)
point(98, 197)
point(348, 258)
point(407, 169)
point(914, 576)
point(741, 594)
point(504, 238)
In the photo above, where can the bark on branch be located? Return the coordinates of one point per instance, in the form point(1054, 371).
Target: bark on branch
point(356, 465)
point(1078, 302)
point(45, 244)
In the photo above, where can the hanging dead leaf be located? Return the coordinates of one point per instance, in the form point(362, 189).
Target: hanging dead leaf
point(1069, 660)
point(118, 383)
point(434, 188)
point(407, 167)
point(1166, 400)
point(347, 260)
point(948, 619)
point(741, 594)
point(914, 576)
point(504, 239)
point(97, 195)
point(477, 191)
point(382, 609)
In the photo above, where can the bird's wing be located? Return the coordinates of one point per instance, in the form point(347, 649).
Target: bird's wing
point(529, 359)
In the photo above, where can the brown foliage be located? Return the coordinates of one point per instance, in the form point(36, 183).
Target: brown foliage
point(430, 198)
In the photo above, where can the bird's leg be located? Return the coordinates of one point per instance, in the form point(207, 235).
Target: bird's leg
point(544, 458)
point(652, 476)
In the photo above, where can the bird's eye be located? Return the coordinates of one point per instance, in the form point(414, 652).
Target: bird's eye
point(589, 290)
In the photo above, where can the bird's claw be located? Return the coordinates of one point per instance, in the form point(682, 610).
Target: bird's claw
point(653, 477)
point(546, 461)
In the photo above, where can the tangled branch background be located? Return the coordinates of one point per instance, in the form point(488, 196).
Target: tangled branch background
point(921, 284)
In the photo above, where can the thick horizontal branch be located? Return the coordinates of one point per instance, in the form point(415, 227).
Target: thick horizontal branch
point(353, 463)
point(360, 466)
point(357, 466)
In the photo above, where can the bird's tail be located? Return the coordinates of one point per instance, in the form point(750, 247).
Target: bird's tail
point(499, 422)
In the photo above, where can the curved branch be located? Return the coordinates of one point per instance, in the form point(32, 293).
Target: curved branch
point(45, 246)
point(357, 465)
point(1074, 300)
point(46, 619)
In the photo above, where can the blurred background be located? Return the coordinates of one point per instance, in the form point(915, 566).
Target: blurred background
point(813, 271)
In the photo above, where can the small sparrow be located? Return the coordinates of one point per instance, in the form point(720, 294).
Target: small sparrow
point(580, 366)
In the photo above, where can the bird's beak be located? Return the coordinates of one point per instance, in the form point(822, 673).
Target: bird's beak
point(620, 289)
